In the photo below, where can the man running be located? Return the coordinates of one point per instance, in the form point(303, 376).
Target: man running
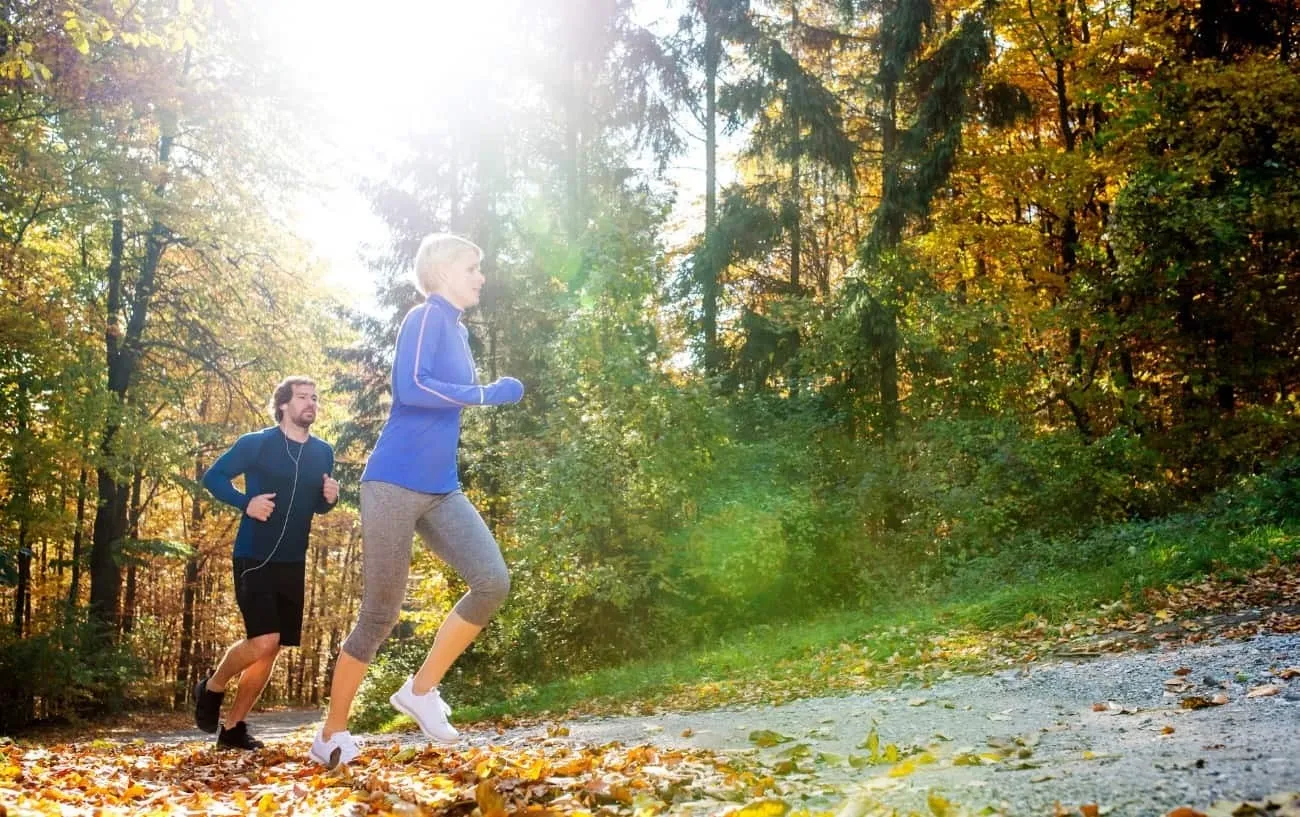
point(287, 481)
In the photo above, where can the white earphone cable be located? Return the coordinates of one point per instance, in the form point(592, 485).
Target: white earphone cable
point(289, 510)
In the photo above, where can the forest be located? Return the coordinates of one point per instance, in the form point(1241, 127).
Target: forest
point(957, 295)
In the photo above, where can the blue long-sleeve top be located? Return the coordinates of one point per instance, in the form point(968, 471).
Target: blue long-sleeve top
point(433, 379)
point(266, 460)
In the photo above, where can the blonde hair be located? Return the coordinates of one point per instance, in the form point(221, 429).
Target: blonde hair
point(436, 251)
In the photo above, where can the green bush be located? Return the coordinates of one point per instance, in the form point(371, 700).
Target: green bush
point(1241, 526)
point(68, 673)
point(398, 659)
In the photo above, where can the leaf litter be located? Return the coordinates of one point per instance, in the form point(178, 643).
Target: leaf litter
point(552, 777)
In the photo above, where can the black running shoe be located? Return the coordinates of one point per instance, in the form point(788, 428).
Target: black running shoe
point(237, 737)
point(207, 707)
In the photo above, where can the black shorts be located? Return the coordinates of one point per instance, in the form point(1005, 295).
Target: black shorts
point(270, 598)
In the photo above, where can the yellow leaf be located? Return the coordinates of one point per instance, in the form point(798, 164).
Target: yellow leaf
point(872, 744)
point(939, 807)
point(766, 738)
point(763, 808)
point(903, 769)
point(266, 804)
point(536, 770)
point(134, 790)
point(490, 801)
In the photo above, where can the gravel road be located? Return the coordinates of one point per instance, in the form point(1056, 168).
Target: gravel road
point(1145, 754)
point(1110, 731)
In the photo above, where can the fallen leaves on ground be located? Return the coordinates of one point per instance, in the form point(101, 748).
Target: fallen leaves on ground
point(766, 738)
point(1275, 805)
point(546, 778)
point(550, 778)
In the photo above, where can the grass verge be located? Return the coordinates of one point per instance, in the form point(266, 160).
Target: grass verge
point(1126, 578)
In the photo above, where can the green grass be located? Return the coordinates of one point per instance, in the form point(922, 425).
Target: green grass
point(794, 655)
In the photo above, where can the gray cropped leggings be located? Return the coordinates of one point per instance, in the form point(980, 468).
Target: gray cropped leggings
point(451, 528)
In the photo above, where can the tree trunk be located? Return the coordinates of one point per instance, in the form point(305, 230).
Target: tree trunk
point(75, 587)
point(1288, 12)
point(133, 531)
point(21, 492)
point(105, 577)
point(22, 593)
point(1069, 225)
point(710, 284)
point(317, 575)
point(123, 353)
point(890, 237)
point(185, 661)
point(1209, 19)
point(889, 378)
point(796, 192)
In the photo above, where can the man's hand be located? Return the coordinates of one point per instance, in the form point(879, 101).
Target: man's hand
point(260, 507)
point(331, 489)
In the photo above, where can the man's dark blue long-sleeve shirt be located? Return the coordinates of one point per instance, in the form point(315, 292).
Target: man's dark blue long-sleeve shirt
point(266, 460)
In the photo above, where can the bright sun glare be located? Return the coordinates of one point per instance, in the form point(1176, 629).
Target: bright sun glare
point(371, 73)
point(378, 60)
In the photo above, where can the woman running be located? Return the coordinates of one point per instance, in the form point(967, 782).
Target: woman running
point(411, 485)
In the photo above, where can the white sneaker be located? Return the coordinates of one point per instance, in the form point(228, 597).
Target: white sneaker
point(429, 711)
point(339, 749)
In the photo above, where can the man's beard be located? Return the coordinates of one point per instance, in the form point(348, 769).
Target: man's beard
point(301, 420)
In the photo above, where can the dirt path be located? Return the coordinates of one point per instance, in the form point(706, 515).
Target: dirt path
point(1041, 737)
point(279, 725)
point(1112, 731)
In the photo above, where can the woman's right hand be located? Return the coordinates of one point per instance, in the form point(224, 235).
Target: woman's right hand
point(505, 390)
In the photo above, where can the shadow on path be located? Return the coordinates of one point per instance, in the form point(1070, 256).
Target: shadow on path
point(267, 726)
